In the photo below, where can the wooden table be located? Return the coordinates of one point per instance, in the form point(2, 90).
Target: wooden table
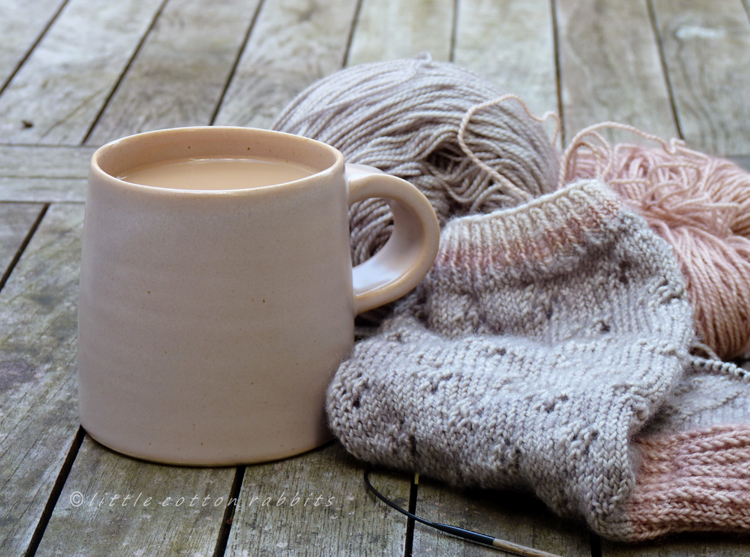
point(75, 74)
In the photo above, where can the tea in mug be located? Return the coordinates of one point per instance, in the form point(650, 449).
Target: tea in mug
point(217, 173)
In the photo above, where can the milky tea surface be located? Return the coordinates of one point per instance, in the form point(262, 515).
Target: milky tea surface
point(216, 173)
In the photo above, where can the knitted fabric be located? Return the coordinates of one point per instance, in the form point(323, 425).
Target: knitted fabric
point(540, 344)
point(695, 456)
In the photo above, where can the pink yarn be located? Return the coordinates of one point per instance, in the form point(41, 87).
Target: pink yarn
point(700, 204)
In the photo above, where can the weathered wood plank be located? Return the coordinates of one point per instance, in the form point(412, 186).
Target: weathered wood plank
point(21, 24)
point(514, 517)
point(687, 545)
point(179, 74)
point(115, 505)
point(316, 504)
point(45, 174)
point(22, 161)
point(743, 161)
point(16, 221)
point(387, 30)
point(705, 46)
point(57, 94)
point(38, 413)
point(512, 44)
point(294, 43)
point(43, 189)
point(611, 69)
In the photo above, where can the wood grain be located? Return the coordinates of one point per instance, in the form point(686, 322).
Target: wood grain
point(16, 222)
point(22, 22)
point(510, 43)
point(179, 74)
point(317, 504)
point(58, 92)
point(114, 505)
point(705, 46)
point(686, 545)
point(43, 173)
point(610, 68)
point(515, 517)
point(38, 412)
point(387, 30)
point(294, 43)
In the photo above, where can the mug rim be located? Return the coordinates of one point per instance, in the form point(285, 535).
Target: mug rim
point(303, 145)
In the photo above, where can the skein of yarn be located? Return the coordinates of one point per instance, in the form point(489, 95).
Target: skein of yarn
point(441, 127)
point(700, 204)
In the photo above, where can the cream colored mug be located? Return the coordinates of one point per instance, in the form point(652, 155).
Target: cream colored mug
point(213, 315)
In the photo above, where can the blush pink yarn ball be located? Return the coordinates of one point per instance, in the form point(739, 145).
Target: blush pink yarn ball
point(701, 205)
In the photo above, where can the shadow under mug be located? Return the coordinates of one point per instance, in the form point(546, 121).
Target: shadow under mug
point(211, 321)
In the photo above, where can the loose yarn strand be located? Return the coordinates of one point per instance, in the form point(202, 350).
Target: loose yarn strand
point(603, 151)
point(505, 183)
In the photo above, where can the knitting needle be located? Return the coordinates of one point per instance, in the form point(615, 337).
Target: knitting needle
point(483, 539)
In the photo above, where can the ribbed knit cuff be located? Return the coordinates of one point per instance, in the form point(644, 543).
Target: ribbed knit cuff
point(539, 231)
point(697, 480)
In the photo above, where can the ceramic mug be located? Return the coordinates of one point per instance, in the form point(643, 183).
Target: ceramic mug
point(211, 321)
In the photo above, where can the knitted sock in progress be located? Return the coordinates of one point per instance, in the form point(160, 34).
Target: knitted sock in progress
point(543, 340)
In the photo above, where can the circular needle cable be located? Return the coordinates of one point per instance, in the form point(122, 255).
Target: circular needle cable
point(483, 539)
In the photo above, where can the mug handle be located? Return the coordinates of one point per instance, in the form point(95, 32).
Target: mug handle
point(410, 251)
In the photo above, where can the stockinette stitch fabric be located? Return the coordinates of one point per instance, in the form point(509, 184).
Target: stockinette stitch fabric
point(546, 350)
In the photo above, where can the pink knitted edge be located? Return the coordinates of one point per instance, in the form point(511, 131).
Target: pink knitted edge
point(697, 480)
point(539, 230)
